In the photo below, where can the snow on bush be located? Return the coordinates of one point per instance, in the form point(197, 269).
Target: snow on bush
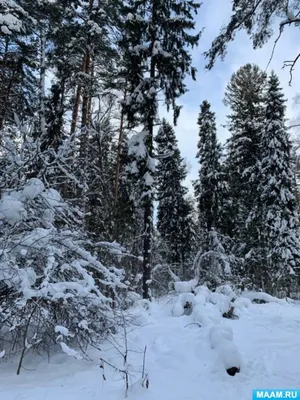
point(184, 300)
point(48, 276)
point(185, 287)
point(221, 301)
point(262, 296)
point(227, 290)
point(70, 352)
point(206, 307)
point(242, 303)
point(178, 309)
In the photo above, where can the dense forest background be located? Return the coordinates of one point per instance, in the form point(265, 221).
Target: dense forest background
point(94, 206)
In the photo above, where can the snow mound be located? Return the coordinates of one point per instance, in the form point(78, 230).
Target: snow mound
point(262, 296)
point(206, 315)
point(229, 354)
point(221, 340)
point(218, 334)
point(178, 309)
point(222, 301)
point(242, 303)
point(185, 287)
point(182, 301)
point(203, 291)
point(227, 290)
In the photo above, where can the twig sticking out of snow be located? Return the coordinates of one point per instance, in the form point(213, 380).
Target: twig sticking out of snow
point(193, 323)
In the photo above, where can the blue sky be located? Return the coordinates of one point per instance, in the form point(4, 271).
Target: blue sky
point(210, 85)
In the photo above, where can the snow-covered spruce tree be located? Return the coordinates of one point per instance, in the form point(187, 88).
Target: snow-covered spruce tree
point(244, 95)
point(275, 213)
point(174, 215)
point(18, 58)
point(209, 157)
point(211, 264)
point(52, 288)
point(156, 37)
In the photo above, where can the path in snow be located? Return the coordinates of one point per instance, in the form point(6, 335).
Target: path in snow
point(179, 361)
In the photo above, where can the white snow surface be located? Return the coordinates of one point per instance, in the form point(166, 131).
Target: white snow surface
point(219, 333)
point(179, 360)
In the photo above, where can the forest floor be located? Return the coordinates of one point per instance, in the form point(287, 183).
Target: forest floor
point(179, 361)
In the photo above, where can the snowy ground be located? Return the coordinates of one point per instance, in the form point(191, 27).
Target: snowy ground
point(180, 363)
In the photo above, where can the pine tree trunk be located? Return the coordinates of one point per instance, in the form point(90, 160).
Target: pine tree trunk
point(2, 82)
point(148, 222)
point(42, 85)
point(118, 164)
point(75, 109)
point(8, 79)
point(86, 94)
point(148, 200)
point(86, 70)
point(77, 101)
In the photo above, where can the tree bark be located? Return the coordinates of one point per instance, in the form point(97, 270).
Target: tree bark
point(148, 200)
point(42, 85)
point(118, 164)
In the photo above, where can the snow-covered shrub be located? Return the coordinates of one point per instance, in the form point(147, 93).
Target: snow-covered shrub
point(185, 287)
point(48, 276)
point(207, 307)
point(213, 267)
point(184, 304)
point(228, 290)
point(162, 278)
point(242, 303)
point(222, 302)
point(261, 297)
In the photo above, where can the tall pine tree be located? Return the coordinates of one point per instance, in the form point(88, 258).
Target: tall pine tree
point(209, 157)
point(244, 95)
point(156, 37)
point(275, 213)
point(211, 263)
point(174, 217)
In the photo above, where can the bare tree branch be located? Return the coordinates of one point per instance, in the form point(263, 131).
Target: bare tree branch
point(291, 64)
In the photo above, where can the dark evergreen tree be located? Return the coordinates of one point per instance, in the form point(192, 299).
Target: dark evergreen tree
point(209, 157)
point(211, 264)
point(18, 63)
point(156, 37)
point(275, 215)
point(244, 95)
point(174, 217)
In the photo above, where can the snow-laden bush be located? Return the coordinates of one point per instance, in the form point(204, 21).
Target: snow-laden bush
point(185, 287)
point(48, 275)
point(206, 307)
point(213, 266)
